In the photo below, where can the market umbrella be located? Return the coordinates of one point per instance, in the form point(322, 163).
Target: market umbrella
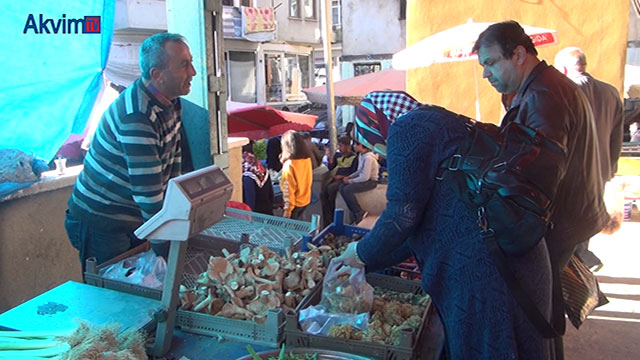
point(455, 44)
point(351, 91)
point(262, 121)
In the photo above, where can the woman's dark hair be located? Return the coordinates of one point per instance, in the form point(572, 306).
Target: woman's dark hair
point(248, 147)
point(294, 146)
point(508, 35)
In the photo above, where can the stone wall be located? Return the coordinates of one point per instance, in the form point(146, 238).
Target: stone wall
point(600, 28)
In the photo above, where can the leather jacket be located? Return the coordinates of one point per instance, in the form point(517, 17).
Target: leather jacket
point(552, 104)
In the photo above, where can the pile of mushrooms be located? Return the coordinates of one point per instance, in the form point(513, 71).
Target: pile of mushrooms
point(247, 284)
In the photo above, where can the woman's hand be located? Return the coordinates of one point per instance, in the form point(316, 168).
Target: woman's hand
point(350, 256)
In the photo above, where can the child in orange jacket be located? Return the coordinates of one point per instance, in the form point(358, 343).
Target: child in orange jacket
point(297, 175)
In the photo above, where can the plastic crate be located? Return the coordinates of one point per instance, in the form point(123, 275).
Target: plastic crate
point(409, 339)
point(269, 333)
point(276, 233)
point(337, 228)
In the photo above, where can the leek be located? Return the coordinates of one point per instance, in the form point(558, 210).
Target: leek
point(35, 334)
point(27, 344)
point(48, 352)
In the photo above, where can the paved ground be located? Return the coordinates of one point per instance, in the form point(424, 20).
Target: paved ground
point(613, 330)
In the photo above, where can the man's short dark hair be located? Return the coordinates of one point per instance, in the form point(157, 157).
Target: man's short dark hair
point(152, 53)
point(344, 140)
point(508, 35)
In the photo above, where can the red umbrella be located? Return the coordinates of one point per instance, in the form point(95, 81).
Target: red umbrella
point(262, 121)
point(351, 91)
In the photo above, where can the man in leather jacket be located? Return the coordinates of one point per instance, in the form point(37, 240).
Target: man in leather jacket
point(552, 104)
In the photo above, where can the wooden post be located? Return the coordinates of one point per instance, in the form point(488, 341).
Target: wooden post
point(328, 62)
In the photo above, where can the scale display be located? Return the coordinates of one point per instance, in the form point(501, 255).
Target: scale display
point(192, 203)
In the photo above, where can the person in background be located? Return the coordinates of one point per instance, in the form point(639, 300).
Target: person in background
point(135, 151)
point(297, 175)
point(257, 189)
point(274, 149)
point(364, 179)
point(342, 164)
point(608, 113)
point(550, 103)
point(316, 153)
point(634, 130)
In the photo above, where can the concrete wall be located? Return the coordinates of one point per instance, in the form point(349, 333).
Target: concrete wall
point(35, 253)
point(372, 27)
point(599, 27)
point(297, 30)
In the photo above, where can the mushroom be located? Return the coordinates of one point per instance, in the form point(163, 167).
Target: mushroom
point(271, 266)
point(187, 297)
point(215, 306)
point(292, 281)
point(290, 299)
point(278, 279)
point(235, 312)
point(219, 268)
point(247, 291)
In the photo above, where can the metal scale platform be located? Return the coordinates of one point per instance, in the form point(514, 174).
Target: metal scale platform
point(193, 202)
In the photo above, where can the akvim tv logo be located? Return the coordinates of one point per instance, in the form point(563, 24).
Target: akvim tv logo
point(86, 25)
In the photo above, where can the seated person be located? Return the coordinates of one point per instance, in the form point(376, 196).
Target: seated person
point(364, 179)
point(343, 164)
point(257, 190)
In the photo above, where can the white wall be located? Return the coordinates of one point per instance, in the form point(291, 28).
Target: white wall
point(372, 27)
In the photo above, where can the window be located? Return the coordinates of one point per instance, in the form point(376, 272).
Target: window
point(336, 14)
point(242, 76)
point(273, 69)
point(245, 3)
point(297, 76)
point(365, 68)
point(227, 2)
point(310, 9)
point(294, 8)
point(303, 60)
point(403, 10)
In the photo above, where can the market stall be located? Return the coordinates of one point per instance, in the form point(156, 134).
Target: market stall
point(204, 308)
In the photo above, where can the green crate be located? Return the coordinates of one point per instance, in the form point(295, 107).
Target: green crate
point(409, 340)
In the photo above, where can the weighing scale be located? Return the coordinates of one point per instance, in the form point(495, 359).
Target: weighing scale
point(193, 202)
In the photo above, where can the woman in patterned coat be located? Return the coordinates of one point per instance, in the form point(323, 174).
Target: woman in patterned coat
point(424, 217)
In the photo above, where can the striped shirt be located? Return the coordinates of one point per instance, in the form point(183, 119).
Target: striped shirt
point(134, 153)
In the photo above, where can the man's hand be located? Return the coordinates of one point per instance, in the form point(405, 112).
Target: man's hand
point(338, 177)
point(345, 180)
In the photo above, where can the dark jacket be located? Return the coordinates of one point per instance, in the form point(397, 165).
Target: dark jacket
point(608, 114)
point(552, 104)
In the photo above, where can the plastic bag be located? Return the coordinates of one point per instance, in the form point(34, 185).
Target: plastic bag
point(316, 320)
point(145, 269)
point(345, 290)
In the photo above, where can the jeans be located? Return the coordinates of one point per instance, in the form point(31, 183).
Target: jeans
point(328, 200)
point(348, 192)
point(298, 212)
point(102, 243)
